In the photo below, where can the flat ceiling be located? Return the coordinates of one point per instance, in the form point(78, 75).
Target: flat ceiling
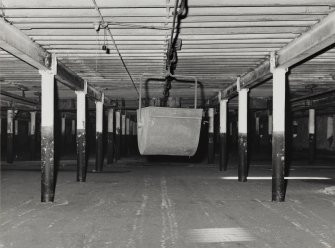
point(221, 39)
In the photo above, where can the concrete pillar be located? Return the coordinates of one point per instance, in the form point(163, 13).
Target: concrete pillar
point(32, 134)
point(211, 136)
point(311, 134)
point(81, 136)
point(117, 135)
point(10, 136)
point(278, 138)
point(110, 136)
point(47, 136)
point(123, 135)
point(223, 134)
point(243, 135)
point(99, 139)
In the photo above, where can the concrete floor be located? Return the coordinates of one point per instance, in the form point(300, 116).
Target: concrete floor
point(142, 204)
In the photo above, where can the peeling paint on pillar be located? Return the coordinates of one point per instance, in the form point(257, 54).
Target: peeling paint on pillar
point(81, 155)
point(47, 164)
point(243, 157)
point(278, 165)
point(110, 137)
point(210, 135)
point(99, 152)
point(243, 135)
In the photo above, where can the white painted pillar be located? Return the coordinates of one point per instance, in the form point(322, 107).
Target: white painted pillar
point(117, 135)
point(81, 110)
point(211, 153)
point(10, 123)
point(10, 136)
point(223, 115)
point(311, 121)
point(47, 135)
point(311, 134)
point(81, 136)
point(99, 139)
point(110, 136)
point(243, 134)
point(32, 131)
point(223, 133)
point(278, 138)
point(110, 120)
point(243, 111)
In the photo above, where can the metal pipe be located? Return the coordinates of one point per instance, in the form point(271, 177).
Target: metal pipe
point(172, 31)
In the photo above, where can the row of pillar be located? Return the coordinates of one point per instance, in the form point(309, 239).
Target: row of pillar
point(116, 143)
point(277, 123)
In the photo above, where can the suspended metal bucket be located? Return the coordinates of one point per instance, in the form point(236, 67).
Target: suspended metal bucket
point(168, 131)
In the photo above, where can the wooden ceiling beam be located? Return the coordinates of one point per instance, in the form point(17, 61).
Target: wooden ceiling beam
point(15, 42)
point(319, 37)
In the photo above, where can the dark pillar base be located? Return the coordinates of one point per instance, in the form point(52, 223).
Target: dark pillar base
point(223, 152)
point(81, 156)
point(117, 146)
point(32, 139)
point(210, 148)
point(10, 146)
point(110, 149)
point(312, 143)
point(47, 165)
point(124, 145)
point(99, 153)
point(278, 167)
point(243, 157)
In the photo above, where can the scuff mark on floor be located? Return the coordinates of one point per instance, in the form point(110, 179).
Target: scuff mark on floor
point(169, 234)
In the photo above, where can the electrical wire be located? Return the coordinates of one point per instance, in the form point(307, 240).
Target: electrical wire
point(114, 43)
point(138, 26)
